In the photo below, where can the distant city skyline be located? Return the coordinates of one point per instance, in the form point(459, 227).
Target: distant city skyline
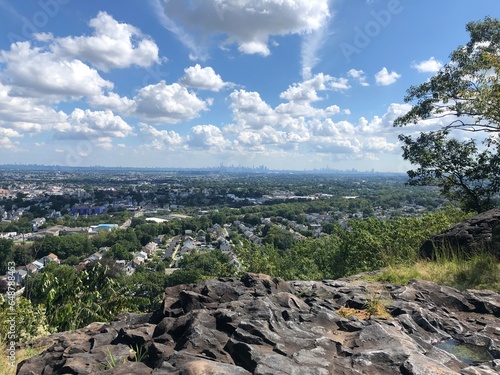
point(289, 85)
point(216, 169)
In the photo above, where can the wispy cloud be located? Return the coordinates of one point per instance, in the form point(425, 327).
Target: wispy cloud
point(311, 45)
point(197, 51)
point(358, 75)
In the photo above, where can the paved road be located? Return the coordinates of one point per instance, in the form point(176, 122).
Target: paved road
point(126, 224)
point(172, 249)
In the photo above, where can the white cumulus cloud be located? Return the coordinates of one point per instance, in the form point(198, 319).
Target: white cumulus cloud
point(249, 110)
point(168, 103)
point(248, 23)
point(206, 137)
point(7, 144)
point(101, 126)
point(35, 72)
point(384, 78)
point(113, 45)
point(26, 115)
point(428, 66)
point(160, 139)
point(340, 84)
point(202, 78)
point(306, 91)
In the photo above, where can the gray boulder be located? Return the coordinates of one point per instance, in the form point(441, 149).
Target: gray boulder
point(479, 233)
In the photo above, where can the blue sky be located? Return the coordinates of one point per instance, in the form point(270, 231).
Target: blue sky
point(289, 84)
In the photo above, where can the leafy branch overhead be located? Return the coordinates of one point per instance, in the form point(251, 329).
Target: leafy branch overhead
point(463, 95)
point(467, 89)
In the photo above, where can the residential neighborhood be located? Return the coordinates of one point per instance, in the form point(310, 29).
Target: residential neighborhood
point(174, 215)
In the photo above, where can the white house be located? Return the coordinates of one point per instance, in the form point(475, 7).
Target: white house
point(94, 257)
point(38, 264)
point(224, 246)
point(142, 255)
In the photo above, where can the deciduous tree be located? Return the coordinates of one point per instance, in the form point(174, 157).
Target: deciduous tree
point(465, 95)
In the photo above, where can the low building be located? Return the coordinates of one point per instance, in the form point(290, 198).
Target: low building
point(50, 258)
point(150, 248)
point(137, 262)
point(38, 264)
point(87, 210)
point(8, 235)
point(224, 245)
point(31, 269)
point(38, 221)
point(20, 275)
point(107, 227)
point(121, 263)
point(94, 257)
point(69, 231)
point(142, 255)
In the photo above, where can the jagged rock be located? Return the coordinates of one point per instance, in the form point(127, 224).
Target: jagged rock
point(127, 368)
point(418, 364)
point(475, 234)
point(262, 325)
point(134, 335)
point(204, 367)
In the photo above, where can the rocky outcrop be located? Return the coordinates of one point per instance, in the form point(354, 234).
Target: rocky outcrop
point(479, 233)
point(260, 325)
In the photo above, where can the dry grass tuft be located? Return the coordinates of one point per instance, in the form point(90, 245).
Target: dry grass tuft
point(6, 367)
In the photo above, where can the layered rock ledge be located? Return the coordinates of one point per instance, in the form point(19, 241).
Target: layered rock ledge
point(260, 325)
point(477, 234)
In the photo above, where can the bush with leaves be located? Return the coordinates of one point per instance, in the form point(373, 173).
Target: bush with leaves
point(373, 244)
point(364, 246)
point(30, 320)
point(73, 299)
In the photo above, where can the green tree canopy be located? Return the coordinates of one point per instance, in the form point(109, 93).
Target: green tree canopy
point(6, 254)
point(466, 91)
point(211, 264)
point(461, 171)
point(465, 95)
point(278, 237)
